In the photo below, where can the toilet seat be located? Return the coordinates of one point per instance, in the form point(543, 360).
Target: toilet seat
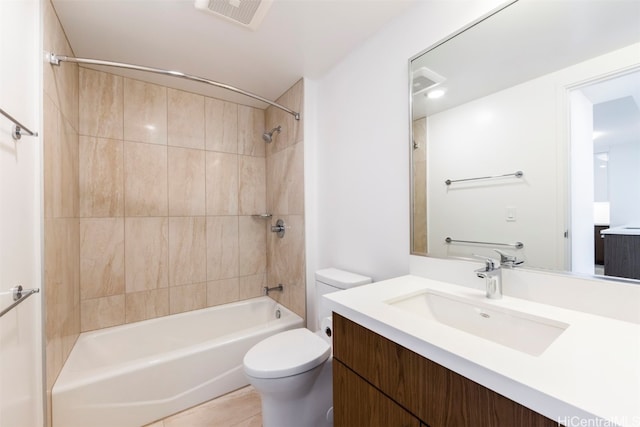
point(286, 353)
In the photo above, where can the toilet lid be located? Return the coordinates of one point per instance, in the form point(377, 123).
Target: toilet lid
point(285, 354)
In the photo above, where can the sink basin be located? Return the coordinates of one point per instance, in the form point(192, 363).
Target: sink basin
point(520, 331)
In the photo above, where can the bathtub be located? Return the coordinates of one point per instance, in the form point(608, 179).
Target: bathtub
point(134, 374)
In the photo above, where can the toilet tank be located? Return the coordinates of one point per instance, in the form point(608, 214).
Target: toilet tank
point(332, 280)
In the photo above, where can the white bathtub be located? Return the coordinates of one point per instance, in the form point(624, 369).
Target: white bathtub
point(134, 374)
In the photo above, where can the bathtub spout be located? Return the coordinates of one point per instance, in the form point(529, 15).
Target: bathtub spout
point(279, 288)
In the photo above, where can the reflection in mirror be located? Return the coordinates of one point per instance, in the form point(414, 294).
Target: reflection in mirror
point(531, 88)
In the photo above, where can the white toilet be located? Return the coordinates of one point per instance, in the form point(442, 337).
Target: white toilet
point(292, 370)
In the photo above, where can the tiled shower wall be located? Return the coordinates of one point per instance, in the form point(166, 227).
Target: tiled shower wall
point(169, 181)
point(419, 186)
point(285, 200)
point(61, 288)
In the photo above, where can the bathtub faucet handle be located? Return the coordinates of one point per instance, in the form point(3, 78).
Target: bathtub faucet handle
point(279, 288)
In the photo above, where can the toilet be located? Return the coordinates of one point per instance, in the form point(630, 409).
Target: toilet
point(292, 370)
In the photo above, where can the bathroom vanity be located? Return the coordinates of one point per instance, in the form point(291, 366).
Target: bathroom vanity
point(408, 351)
point(389, 378)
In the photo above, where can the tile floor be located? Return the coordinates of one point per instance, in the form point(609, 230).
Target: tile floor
point(240, 408)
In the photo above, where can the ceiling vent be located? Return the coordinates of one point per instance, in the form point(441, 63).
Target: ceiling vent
point(424, 78)
point(247, 13)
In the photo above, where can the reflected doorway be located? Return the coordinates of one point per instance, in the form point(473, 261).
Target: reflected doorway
point(605, 177)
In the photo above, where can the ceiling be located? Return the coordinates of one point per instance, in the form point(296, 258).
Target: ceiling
point(296, 38)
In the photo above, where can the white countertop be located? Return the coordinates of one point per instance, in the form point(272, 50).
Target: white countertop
point(591, 371)
point(627, 230)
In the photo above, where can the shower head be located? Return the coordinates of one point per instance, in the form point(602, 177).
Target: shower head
point(268, 136)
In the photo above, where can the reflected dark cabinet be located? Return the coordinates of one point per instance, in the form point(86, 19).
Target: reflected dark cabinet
point(622, 255)
point(598, 243)
point(377, 382)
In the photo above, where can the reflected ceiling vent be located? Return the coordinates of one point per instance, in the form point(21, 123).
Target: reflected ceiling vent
point(247, 13)
point(424, 79)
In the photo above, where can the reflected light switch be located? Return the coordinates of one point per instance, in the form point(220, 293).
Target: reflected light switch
point(511, 213)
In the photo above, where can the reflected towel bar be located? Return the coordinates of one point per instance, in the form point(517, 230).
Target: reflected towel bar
point(18, 127)
point(517, 174)
point(19, 295)
point(517, 245)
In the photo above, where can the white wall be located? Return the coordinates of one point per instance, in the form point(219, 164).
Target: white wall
point(624, 195)
point(363, 142)
point(20, 227)
point(512, 130)
point(582, 179)
point(520, 128)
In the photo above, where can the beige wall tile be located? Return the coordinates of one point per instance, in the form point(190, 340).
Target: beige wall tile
point(186, 182)
point(146, 253)
point(292, 129)
point(297, 299)
point(186, 119)
point(251, 126)
point(62, 268)
point(252, 244)
point(187, 250)
point(101, 257)
point(222, 291)
point(62, 281)
point(221, 125)
point(187, 297)
point(222, 183)
point(285, 180)
point(253, 185)
point(59, 83)
point(145, 112)
point(103, 312)
point(145, 179)
point(101, 104)
point(101, 177)
point(61, 165)
point(222, 247)
point(146, 305)
point(286, 257)
point(252, 286)
point(420, 207)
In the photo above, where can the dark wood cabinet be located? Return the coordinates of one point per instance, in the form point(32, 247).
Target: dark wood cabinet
point(598, 244)
point(622, 255)
point(431, 393)
point(366, 405)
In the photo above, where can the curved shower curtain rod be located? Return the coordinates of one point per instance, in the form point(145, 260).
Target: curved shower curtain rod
point(56, 59)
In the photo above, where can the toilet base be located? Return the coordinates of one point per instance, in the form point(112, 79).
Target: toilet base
point(305, 406)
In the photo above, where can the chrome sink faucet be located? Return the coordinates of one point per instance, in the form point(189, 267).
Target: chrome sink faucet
point(508, 261)
point(493, 278)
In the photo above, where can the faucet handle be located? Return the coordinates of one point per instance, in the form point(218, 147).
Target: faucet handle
point(489, 263)
point(507, 260)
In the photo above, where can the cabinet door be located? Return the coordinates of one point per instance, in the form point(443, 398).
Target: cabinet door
point(436, 395)
point(357, 404)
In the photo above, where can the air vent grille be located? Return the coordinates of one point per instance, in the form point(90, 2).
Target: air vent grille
point(242, 11)
point(424, 78)
point(247, 13)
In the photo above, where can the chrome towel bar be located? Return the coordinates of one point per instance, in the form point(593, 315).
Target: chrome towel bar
point(19, 295)
point(517, 245)
point(18, 127)
point(517, 174)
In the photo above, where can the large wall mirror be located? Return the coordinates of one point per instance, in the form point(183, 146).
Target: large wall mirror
point(525, 138)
